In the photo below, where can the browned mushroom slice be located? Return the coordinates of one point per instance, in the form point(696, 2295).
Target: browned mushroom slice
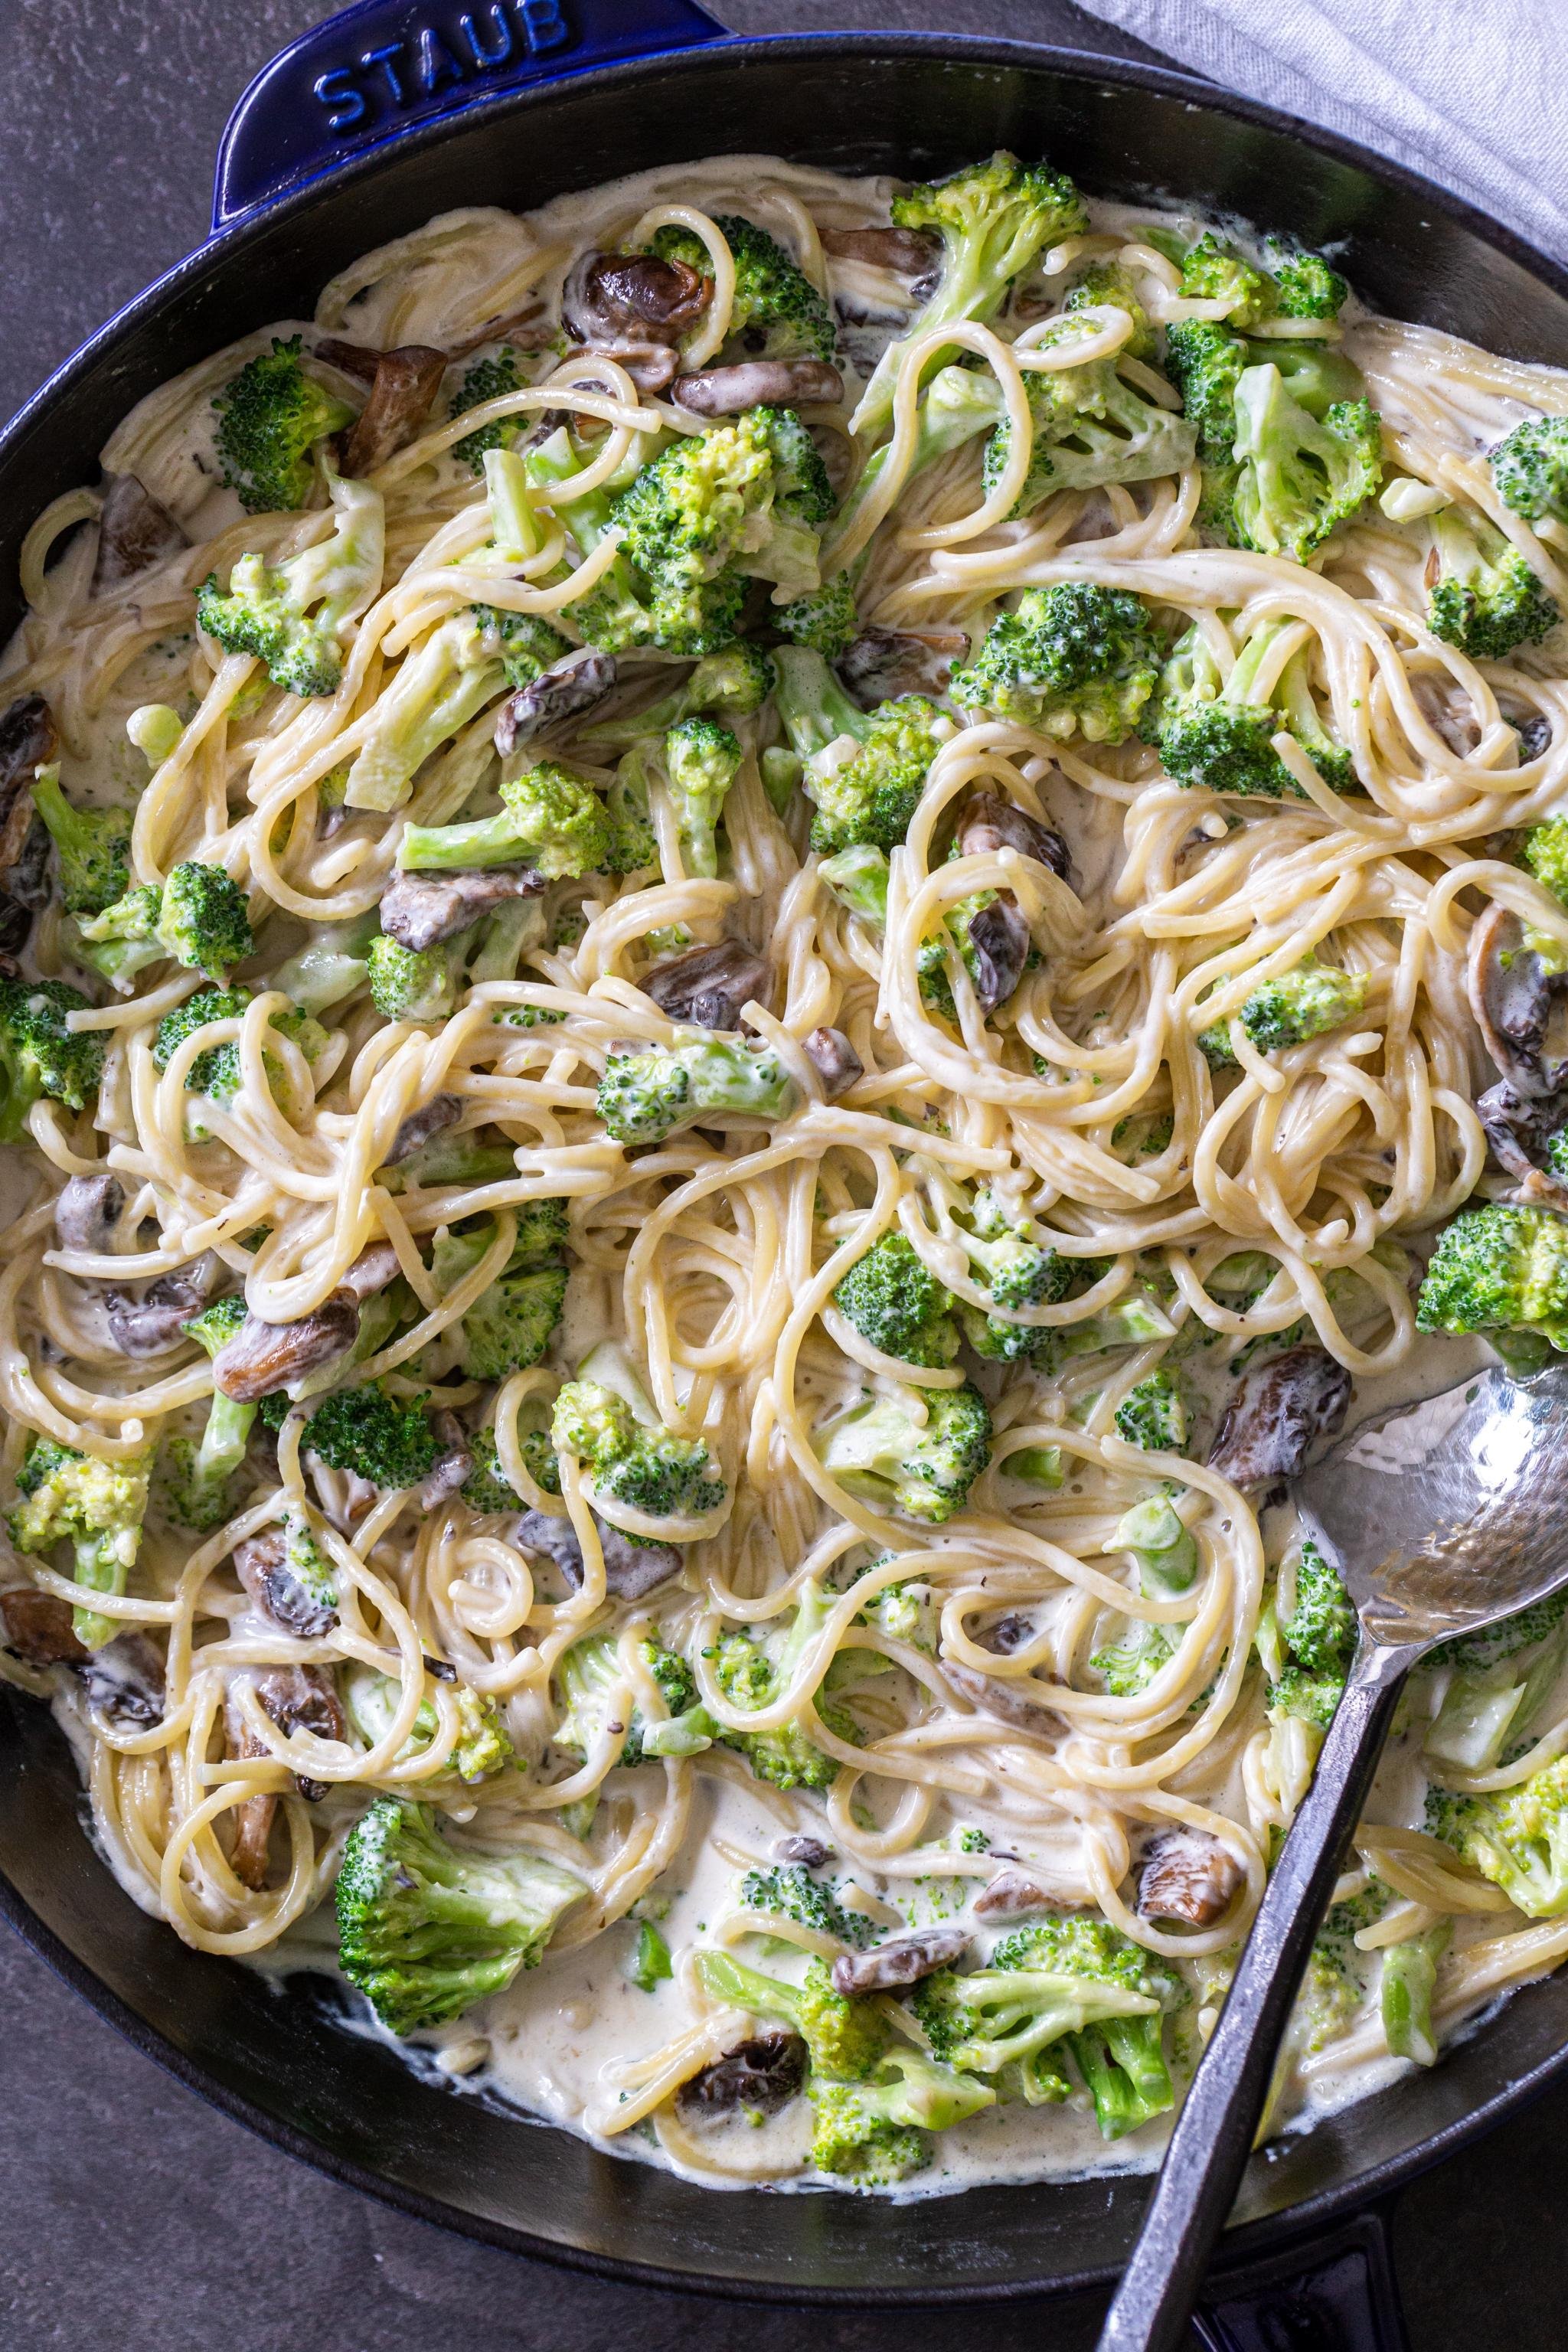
point(909, 252)
point(406, 382)
point(1519, 1129)
point(808, 1850)
point(1012, 1894)
point(447, 1476)
point(902, 1961)
point(836, 1063)
point(420, 911)
point(26, 873)
point(620, 297)
point(886, 661)
point(39, 1628)
point(999, 941)
point(27, 740)
point(262, 1358)
point(1277, 1414)
point(303, 1699)
point(573, 686)
point(631, 1570)
point(1189, 1875)
point(528, 330)
point(372, 1271)
point(708, 986)
point(1447, 710)
point(989, 823)
point(432, 1117)
point(251, 1823)
point(261, 1564)
point(151, 1319)
point(123, 1682)
point(1521, 1006)
point(1005, 1700)
point(752, 384)
point(358, 360)
point(761, 2076)
point(134, 533)
point(87, 1211)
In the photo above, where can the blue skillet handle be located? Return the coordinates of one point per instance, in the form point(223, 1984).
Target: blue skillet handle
point(381, 68)
point(1336, 2293)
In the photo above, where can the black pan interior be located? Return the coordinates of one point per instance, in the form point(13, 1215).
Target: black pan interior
point(279, 2060)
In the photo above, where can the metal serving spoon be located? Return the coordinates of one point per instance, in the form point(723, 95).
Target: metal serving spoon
point(1441, 1517)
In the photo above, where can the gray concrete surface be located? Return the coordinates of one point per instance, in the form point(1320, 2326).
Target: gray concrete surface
point(132, 2216)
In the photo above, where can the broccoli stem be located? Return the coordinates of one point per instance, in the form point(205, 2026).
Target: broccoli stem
point(1409, 1978)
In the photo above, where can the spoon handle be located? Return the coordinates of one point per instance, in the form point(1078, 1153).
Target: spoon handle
point(1218, 2121)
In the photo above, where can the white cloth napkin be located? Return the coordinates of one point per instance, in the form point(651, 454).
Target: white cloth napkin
point(1474, 93)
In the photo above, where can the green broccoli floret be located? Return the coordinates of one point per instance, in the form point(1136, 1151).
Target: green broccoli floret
point(1112, 282)
point(778, 314)
point(871, 794)
point(701, 759)
point(216, 1073)
point(1009, 2015)
point(1091, 426)
point(1499, 1268)
point(873, 2132)
point(1530, 468)
point(1216, 735)
point(645, 1095)
point(1205, 361)
point(488, 379)
point(1075, 658)
point(634, 843)
point(957, 405)
point(1544, 850)
point(1305, 1002)
point(486, 1488)
point(1486, 600)
point(897, 1305)
point(97, 1506)
point(482, 1748)
point(918, 1452)
point(1214, 272)
point(292, 616)
point(417, 983)
point(630, 1457)
point(731, 684)
point(1321, 1629)
point(858, 879)
point(436, 691)
point(1153, 1414)
point(826, 621)
point(40, 1056)
point(591, 1679)
point(844, 2037)
point(745, 499)
point(552, 819)
point(1298, 477)
point(1010, 1258)
point(91, 844)
point(1306, 286)
point(199, 1475)
point(1129, 1665)
point(510, 1323)
point(752, 1669)
point(425, 1931)
point(1516, 1837)
point(270, 418)
point(364, 1430)
point(993, 219)
point(790, 1889)
point(1409, 1981)
point(1120, 2058)
point(204, 921)
point(524, 643)
point(1336, 1978)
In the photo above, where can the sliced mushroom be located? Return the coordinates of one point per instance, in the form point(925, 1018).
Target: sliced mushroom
point(432, 1117)
point(909, 252)
point(631, 1570)
point(134, 533)
point(528, 330)
point(1520, 1007)
point(452, 1467)
point(358, 360)
point(1278, 1412)
point(404, 386)
point(1519, 1129)
point(262, 1358)
point(708, 986)
point(836, 1063)
point(123, 1682)
point(87, 1211)
point(373, 1268)
point(1001, 1699)
point(16, 927)
point(39, 1628)
point(617, 299)
point(885, 662)
point(1447, 711)
point(303, 1699)
point(1012, 1894)
point(572, 685)
point(27, 740)
point(989, 823)
point(1007, 1634)
point(751, 383)
point(1189, 1875)
point(151, 1318)
point(1000, 943)
point(252, 1821)
point(261, 1564)
point(902, 1961)
point(761, 2076)
point(809, 1852)
point(864, 335)
point(27, 873)
point(420, 911)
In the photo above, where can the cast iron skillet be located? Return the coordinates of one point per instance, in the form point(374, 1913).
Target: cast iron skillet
point(385, 115)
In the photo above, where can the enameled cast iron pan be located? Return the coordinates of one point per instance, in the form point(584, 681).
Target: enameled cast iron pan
point(382, 117)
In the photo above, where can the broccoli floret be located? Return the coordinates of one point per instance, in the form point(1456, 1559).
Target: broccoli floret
point(1069, 659)
point(1217, 736)
point(701, 759)
point(416, 984)
point(509, 1325)
point(292, 617)
point(1485, 599)
point(216, 1073)
point(1321, 1628)
point(957, 405)
point(1516, 1837)
point(97, 1506)
point(629, 1456)
point(1153, 1414)
point(270, 418)
point(204, 921)
point(778, 314)
point(1544, 850)
point(1205, 361)
point(1409, 1981)
point(1213, 272)
point(1305, 1002)
point(826, 621)
point(1112, 282)
point(1012, 1261)
point(645, 1095)
point(552, 819)
point(845, 2038)
point(40, 1056)
point(918, 1452)
point(591, 1679)
point(1120, 2058)
point(873, 2132)
point(486, 1488)
point(752, 1669)
point(488, 379)
point(745, 499)
point(482, 1748)
point(425, 1931)
point(436, 691)
point(993, 219)
point(1307, 288)
point(727, 684)
point(858, 879)
point(1090, 427)
point(524, 645)
point(790, 1891)
point(91, 844)
point(1129, 1665)
point(1298, 475)
point(364, 1430)
point(1499, 1268)
point(1336, 1978)
point(199, 1476)
point(1009, 2014)
point(1530, 468)
point(897, 1305)
point(634, 843)
point(870, 795)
